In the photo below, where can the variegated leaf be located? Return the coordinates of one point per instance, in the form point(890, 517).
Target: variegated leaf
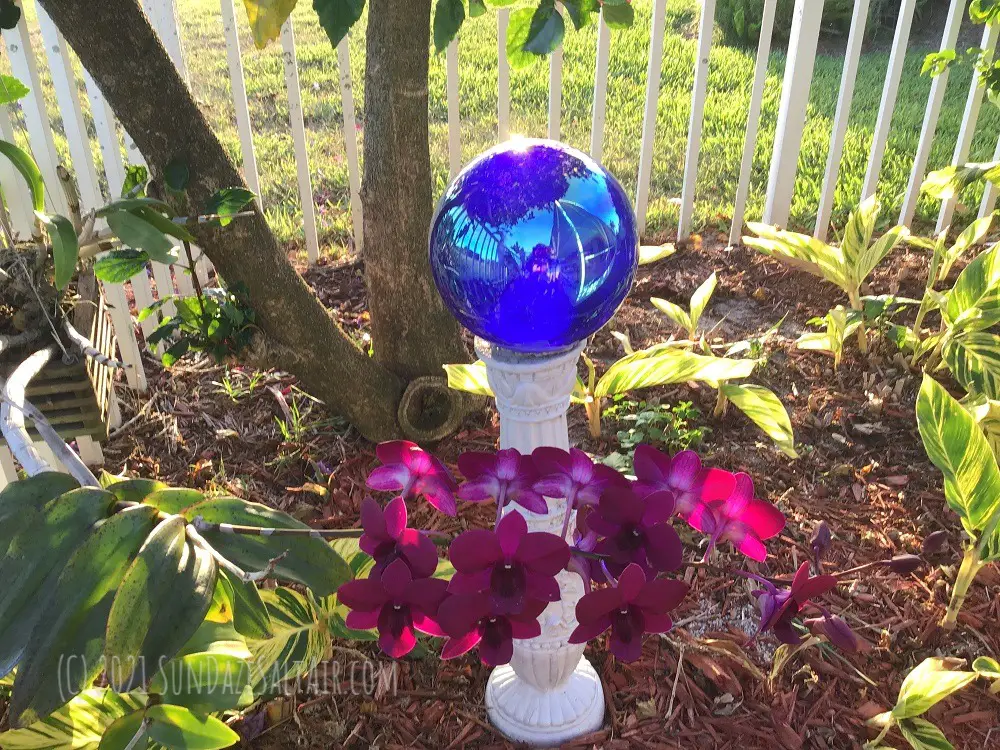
point(974, 360)
point(766, 411)
point(79, 725)
point(658, 366)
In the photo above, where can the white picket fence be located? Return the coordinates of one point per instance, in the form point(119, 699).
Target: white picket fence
point(802, 50)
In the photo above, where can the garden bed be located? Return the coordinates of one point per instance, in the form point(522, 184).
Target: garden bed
point(862, 468)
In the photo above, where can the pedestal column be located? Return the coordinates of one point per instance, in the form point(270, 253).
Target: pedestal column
point(549, 693)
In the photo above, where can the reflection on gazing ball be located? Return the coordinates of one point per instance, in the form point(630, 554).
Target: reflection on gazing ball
point(534, 246)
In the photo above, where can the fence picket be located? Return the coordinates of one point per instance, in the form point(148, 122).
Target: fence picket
point(753, 120)
point(8, 469)
point(170, 35)
point(22, 220)
point(555, 93)
point(299, 138)
point(792, 111)
point(852, 56)
point(503, 77)
point(454, 117)
point(107, 136)
point(969, 119)
point(991, 190)
point(934, 102)
point(600, 88)
point(705, 28)
point(239, 87)
point(657, 27)
point(888, 103)
point(128, 347)
point(36, 119)
point(351, 140)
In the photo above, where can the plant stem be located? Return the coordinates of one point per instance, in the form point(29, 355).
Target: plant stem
point(862, 332)
point(593, 408)
point(966, 574)
point(720, 405)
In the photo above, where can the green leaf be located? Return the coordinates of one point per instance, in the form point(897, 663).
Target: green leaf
point(974, 360)
point(547, 29)
point(300, 641)
point(250, 616)
point(476, 8)
point(22, 500)
point(658, 366)
point(766, 411)
point(118, 266)
point(859, 229)
point(65, 247)
point(618, 16)
point(469, 378)
point(173, 499)
point(140, 234)
point(309, 560)
point(176, 175)
point(121, 732)
point(871, 256)
point(228, 202)
point(136, 177)
point(164, 224)
point(978, 286)
point(175, 352)
point(579, 11)
point(930, 682)
point(11, 89)
point(177, 727)
point(700, 300)
point(161, 602)
point(985, 11)
point(217, 636)
point(338, 16)
point(673, 311)
point(973, 235)
point(922, 735)
point(77, 613)
point(986, 412)
point(79, 725)
point(131, 204)
point(29, 171)
point(947, 182)
point(204, 682)
point(448, 18)
point(651, 253)
point(802, 252)
point(955, 444)
point(987, 667)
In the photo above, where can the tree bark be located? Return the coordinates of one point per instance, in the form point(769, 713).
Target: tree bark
point(118, 47)
point(412, 332)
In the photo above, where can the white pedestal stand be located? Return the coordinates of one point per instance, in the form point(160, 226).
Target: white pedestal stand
point(549, 693)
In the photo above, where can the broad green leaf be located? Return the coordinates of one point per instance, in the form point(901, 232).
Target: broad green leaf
point(173, 499)
point(700, 299)
point(11, 89)
point(547, 29)
point(228, 202)
point(652, 253)
point(301, 639)
point(662, 366)
point(24, 164)
point(118, 266)
point(673, 311)
point(469, 378)
point(136, 177)
point(618, 16)
point(309, 560)
point(972, 235)
point(985, 11)
point(131, 204)
point(65, 246)
point(945, 183)
point(871, 256)
point(217, 637)
point(176, 175)
point(766, 411)
point(79, 725)
point(177, 727)
point(448, 18)
point(161, 602)
point(978, 286)
point(987, 667)
point(476, 8)
point(955, 444)
point(123, 730)
point(139, 234)
point(922, 735)
point(266, 18)
point(800, 251)
point(579, 11)
point(76, 616)
point(987, 414)
point(859, 229)
point(931, 681)
point(164, 223)
point(338, 16)
point(175, 352)
point(250, 616)
point(974, 360)
point(204, 682)
point(20, 501)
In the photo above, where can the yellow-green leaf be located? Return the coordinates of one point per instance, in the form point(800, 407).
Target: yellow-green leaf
point(652, 253)
point(974, 360)
point(179, 728)
point(24, 164)
point(766, 411)
point(469, 378)
point(922, 735)
point(660, 366)
point(79, 725)
point(65, 246)
point(930, 682)
point(266, 18)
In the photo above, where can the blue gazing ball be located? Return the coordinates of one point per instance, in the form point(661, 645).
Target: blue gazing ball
point(534, 246)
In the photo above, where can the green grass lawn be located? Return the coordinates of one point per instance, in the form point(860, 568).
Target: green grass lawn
point(731, 72)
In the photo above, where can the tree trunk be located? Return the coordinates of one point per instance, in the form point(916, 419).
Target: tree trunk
point(412, 332)
point(117, 46)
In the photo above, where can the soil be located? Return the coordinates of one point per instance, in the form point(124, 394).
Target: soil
point(862, 468)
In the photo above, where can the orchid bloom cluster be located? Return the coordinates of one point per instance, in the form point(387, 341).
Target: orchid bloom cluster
point(623, 544)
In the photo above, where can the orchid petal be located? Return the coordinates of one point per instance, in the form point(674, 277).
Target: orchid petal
point(389, 478)
point(509, 531)
point(530, 501)
point(549, 460)
point(621, 506)
point(597, 604)
point(523, 629)
point(459, 614)
point(372, 519)
point(656, 623)
point(426, 593)
point(419, 552)
point(426, 624)
point(475, 464)
point(659, 507)
point(553, 485)
point(661, 595)
point(588, 631)
point(581, 467)
point(752, 547)
point(364, 594)
point(470, 583)
point(438, 492)
point(396, 578)
point(543, 552)
point(739, 498)
point(394, 517)
point(763, 518)
point(479, 490)
point(541, 587)
point(651, 466)
point(715, 484)
point(474, 550)
point(684, 470)
point(395, 451)
point(463, 644)
point(631, 582)
point(359, 620)
point(397, 646)
point(664, 548)
point(508, 462)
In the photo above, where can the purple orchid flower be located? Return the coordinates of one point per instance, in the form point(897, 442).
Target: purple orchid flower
point(778, 607)
point(585, 541)
point(741, 518)
point(386, 538)
point(572, 475)
point(636, 530)
point(469, 620)
point(412, 472)
point(395, 603)
point(630, 608)
point(836, 630)
point(510, 564)
point(682, 475)
point(504, 477)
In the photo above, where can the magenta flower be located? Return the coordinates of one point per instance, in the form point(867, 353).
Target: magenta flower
point(395, 603)
point(630, 608)
point(682, 475)
point(636, 530)
point(778, 607)
point(413, 472)
point(510, 564)
point(469, 620)
point(386, 538)
point(836, 630)
point(741, 518)
point(585, 540)
point(504, 477)
point(574, 476)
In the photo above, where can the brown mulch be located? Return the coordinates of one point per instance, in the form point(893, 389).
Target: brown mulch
point(862, 468)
